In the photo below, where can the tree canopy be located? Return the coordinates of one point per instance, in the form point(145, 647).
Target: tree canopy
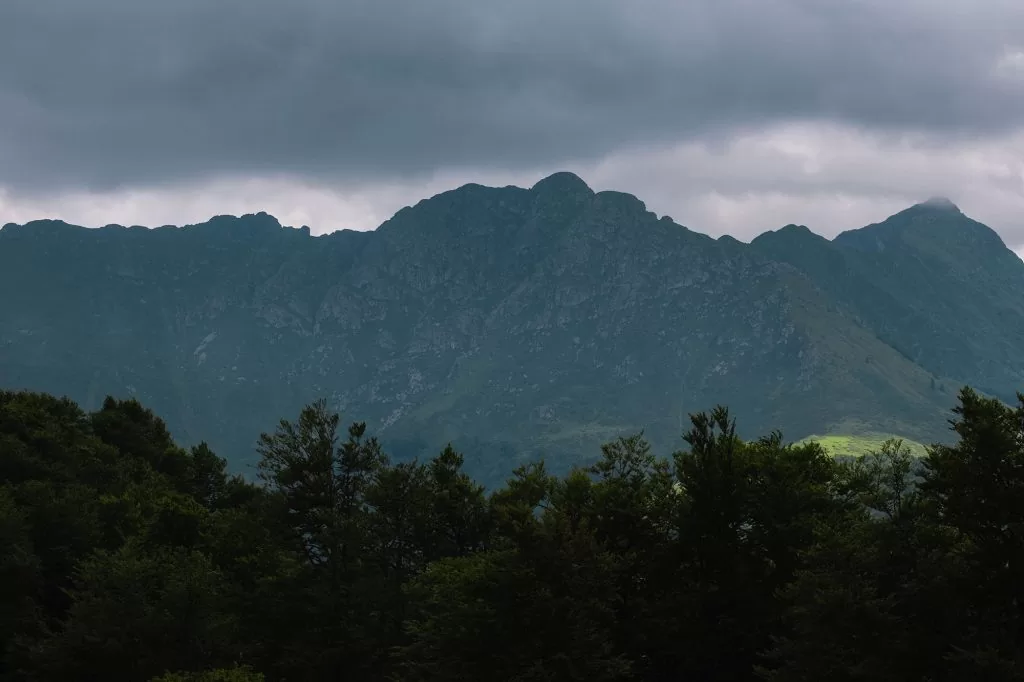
point(126, 556)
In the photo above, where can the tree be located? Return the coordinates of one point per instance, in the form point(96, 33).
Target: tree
point(322, 488)
point(975, 491)
point(123, 556)
point(140, 437)
point(322, 485)
point(633, 512)
point(461, 520)
point(748, 512)
point(541, 609)
point(21, 584)
point(919, 583)
point(138, 612)
point(843, 615)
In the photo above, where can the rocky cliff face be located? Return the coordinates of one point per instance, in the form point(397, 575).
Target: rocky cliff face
point(516, 323)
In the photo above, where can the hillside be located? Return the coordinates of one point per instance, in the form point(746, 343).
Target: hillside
point(517, 323)
point(938, 287)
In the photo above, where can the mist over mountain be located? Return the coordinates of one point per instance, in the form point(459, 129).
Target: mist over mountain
point(516, 323)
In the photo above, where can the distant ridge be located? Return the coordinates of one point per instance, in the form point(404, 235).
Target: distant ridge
point(517, 323)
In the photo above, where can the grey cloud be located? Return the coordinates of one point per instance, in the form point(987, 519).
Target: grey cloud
point(112, 93)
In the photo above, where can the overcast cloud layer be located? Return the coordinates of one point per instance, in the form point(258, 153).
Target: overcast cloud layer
point(730, 115)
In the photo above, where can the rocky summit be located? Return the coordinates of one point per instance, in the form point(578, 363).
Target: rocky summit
point(516, 323)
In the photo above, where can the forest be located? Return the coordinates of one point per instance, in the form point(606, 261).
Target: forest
point(126, 557)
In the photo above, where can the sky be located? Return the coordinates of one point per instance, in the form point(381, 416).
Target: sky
point(731, 116)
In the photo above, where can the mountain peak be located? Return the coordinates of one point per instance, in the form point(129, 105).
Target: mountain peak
point(940, 203)
point(936, 225)
point(562, 182)
point(794, 229)
point(250, 223)
point(788, 235)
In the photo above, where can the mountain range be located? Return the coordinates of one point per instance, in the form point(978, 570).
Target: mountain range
point(516, 323)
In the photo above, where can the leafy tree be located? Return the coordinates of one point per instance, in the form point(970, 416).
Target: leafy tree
point(124, 556)
point(141, 437)
point(461, 522)
point(883, 481)
point(975, 490)
point(21, 582)
point(323, 485)
point(540, 612)
point(138, 612)
point(323, 489)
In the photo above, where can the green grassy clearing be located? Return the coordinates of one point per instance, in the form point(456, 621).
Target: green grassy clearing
point(859, 445)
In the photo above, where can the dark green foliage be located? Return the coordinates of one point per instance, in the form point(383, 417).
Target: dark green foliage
point(976, 489)
point(137, 612)
point(237, 674)
point(125, 557)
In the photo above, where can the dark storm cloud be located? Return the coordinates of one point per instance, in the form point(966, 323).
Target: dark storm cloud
point(120, 92)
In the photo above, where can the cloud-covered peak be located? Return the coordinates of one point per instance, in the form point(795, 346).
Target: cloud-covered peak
point(940, 203)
